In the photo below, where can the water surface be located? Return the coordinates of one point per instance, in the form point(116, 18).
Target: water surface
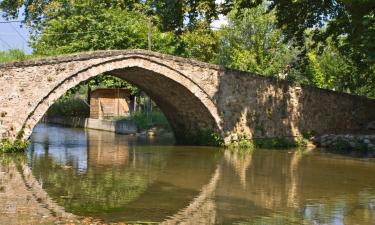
point(118, 178)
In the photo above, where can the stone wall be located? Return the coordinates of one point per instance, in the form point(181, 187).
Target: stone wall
point(193, 95)
point(348, 142)
point(259, 107)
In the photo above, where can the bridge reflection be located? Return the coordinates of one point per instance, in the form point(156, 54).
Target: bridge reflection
point(119, 178)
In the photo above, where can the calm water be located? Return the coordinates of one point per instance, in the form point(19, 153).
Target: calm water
point(118, 178)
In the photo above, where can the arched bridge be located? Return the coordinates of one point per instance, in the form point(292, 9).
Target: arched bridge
point(193, 95)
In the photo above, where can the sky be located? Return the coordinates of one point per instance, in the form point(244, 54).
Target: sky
point(13, 36)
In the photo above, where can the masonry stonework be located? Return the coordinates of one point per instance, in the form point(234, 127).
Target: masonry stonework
point(193, 95)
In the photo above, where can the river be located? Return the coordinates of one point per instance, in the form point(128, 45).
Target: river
point(117, 178)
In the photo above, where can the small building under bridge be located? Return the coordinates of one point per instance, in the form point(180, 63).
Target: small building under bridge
point(110, 102)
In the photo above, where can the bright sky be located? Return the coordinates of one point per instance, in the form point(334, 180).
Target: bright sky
point(222, 19)
point(13, 36)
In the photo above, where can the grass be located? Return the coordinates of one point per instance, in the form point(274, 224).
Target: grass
point(13, 55)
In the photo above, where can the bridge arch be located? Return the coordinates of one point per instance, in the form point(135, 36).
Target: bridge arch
point(193, 95)
point(187, 106)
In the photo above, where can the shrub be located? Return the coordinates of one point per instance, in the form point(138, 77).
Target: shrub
point(69, 107)
point(280, 142)
point(8, 146)
point(145, 121)
point(205, 137)
point(245, 143)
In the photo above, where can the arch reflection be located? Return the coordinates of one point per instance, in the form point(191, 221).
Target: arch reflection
point(118, 178)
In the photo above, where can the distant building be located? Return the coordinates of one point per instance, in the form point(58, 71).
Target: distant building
point(107, 103)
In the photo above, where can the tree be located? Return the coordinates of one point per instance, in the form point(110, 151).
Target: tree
point(331, 70)
point(201, 43)
point(93, 27)
point(349, 25)
point(87, 26)
point(172, 15)
point(252, 42)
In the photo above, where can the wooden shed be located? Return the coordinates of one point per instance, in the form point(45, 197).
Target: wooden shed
point(110, 102)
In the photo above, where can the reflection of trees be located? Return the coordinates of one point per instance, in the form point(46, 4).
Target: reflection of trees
point(107, 184)
point(264, 187)
point(93, 192)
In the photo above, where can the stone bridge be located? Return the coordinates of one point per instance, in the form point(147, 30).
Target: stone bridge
point(193, 95)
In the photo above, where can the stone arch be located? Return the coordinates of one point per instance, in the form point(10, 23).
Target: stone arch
point(186, 105)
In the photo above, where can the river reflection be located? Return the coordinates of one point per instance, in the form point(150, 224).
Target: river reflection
point(118, 178)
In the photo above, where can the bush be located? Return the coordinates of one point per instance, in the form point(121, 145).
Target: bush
point(8, 146)
point(69, 107)
point(204, 137)
point(281, 142)
point(145, 121)
point(244, 143)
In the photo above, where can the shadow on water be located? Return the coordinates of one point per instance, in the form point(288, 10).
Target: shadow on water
point(116, 179)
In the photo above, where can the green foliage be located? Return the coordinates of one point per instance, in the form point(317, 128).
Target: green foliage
point(148, 120)
point(69, 106)
point(342, 145)
point(253, 43)
point(276, 142)
point(18, 158)
point(86, 27)
point(201, 43)
point(11, 146)
point(96, 191)
point(349, 26)
point(12, 55)
point(108, 81)
point(331, 70)
point(171, 15)
point(244, 143)
point(204, 137)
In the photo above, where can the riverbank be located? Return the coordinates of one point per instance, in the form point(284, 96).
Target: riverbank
point(118, 127)
point(127, 127)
